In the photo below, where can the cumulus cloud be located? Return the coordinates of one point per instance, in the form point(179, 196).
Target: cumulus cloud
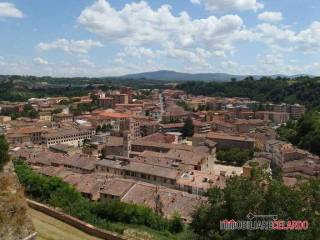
point(9, 10)
point(230, 5)
point(138, 24)
point(40, 61)
point(270, 16)
point(307, 40)
point(138, 52)
point(70, 46)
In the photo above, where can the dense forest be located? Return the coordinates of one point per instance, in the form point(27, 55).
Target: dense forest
point(303, 90)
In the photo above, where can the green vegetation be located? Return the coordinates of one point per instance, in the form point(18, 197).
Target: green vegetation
point(234, 155)
point(188, 128)
point(259, 195)
point(50, 228)
point(303, 90)
point(104, 128)
point(82, 107)
point(4, 156)
point(111, 215)
point(304, 133)
point(184, 105)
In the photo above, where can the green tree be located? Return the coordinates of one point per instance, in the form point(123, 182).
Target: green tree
point(176, 224)
point(258, 195)
point(234, 155)
point(188, 128)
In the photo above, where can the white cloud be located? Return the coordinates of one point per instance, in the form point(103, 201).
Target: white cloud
point(40, 61)
point(86, 62)
point(138, 52)
point(230, 5)
point(272, 34)
point(9, 10)
point(195, 1)
point(119, 60)
point(138, 24)
point(70, 46)
point(270, 16)
point(307, 40)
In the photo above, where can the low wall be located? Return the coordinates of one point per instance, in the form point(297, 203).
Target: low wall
point(83, 226)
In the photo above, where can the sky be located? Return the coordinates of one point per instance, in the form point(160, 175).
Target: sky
point(117, 37)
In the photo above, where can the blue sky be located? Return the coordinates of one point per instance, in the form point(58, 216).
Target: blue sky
point(115, 37)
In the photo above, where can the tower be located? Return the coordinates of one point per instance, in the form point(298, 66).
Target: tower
point(126, 143)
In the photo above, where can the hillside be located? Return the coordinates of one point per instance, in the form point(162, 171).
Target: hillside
point(14, 220)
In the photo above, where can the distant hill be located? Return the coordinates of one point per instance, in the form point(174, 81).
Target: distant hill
point(166, 75)
point(178, 76)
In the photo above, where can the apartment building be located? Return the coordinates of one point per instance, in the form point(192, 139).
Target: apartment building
point(121, 98)
point(106, 102)
point(69, 136)
point(275, 117)
point(225, 140)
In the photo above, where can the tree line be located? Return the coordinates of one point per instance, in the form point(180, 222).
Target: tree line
point(303, 90)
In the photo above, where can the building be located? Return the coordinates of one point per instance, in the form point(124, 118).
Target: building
point(5, 119)
point(62, 117)
point(10, 107)
point(121, 99)
point(171, 127)
point(45, 116)
point(25, 134)
point(148, 127)
point(128, 91)
point(296, 111)
point(139, 170)
point(248, 125)
point(201, 127)
point(225, 141)
point(106, 102)
point(218, 125)
point(197, 182)
point(275, 117)
point(174, 113)
point(69, 136)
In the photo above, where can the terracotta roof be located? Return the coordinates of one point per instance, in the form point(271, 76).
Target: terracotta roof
point(160, 138)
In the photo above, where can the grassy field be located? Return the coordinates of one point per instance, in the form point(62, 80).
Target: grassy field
point(49, 228)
